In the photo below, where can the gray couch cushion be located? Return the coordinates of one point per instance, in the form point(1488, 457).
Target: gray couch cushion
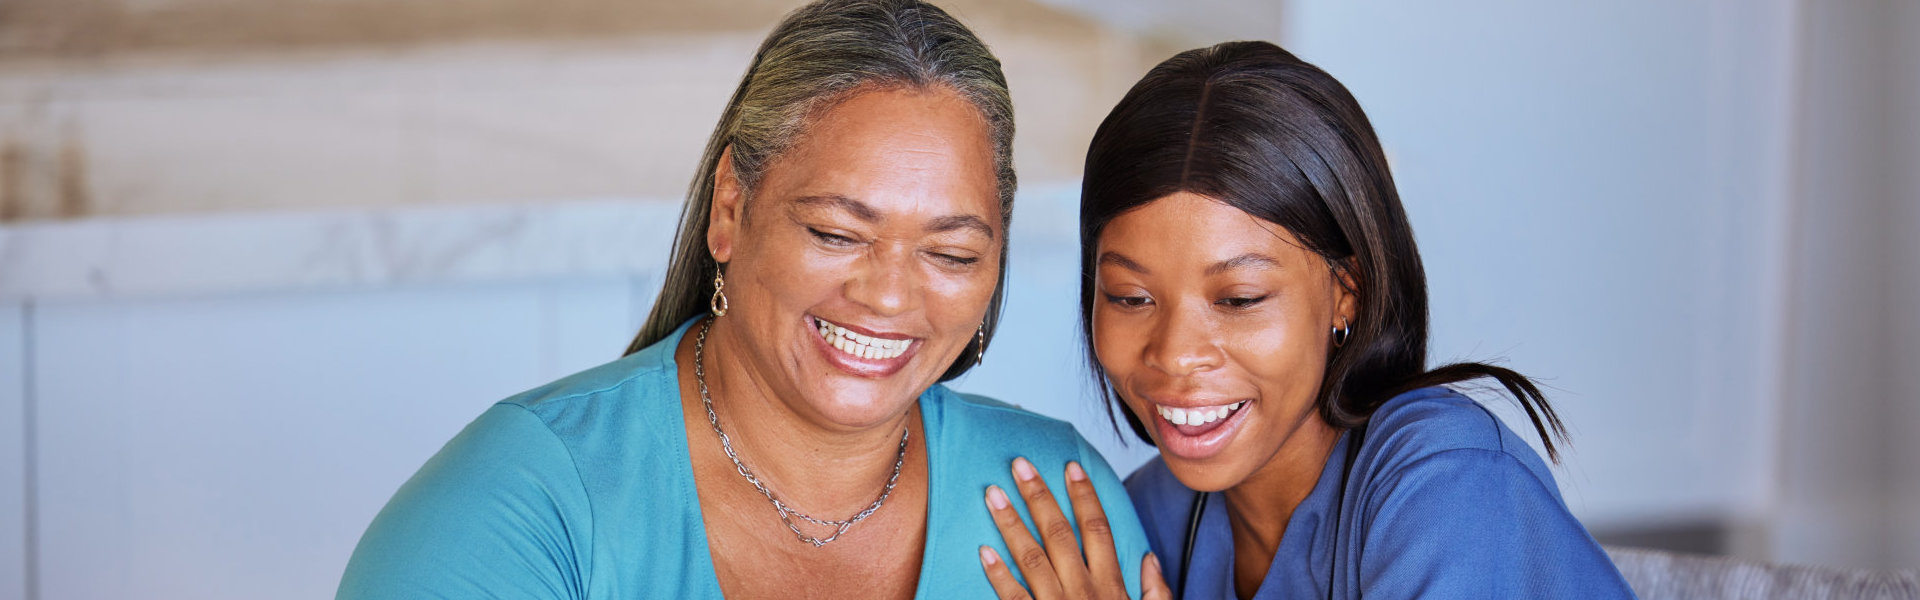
point(1657, 575)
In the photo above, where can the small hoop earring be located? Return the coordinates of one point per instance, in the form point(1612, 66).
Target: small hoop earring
point(1341, 333)
point(718, 303)
point(980, 345)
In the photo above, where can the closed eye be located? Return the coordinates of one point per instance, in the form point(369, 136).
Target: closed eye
point(831, 239)
point(1246, 302)
point(958, 261)
point(1127, 301)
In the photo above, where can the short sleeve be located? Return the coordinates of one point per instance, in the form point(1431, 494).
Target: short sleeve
point(500, 512)
point(1477, 523)
point(1129, 539)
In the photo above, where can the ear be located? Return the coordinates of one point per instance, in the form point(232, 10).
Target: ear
point(724, 217)
point(1346, 299)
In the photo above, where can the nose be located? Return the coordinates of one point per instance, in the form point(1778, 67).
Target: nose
point(885, 281)
point(1183, 343)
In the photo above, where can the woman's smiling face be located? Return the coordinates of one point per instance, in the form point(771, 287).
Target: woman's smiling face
point(866, 257)
point(1215, 328)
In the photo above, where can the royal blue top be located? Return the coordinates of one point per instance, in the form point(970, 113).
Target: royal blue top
point(583, 488)
point(1443, 502)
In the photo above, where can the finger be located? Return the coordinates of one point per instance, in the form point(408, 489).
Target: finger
point(1096, 535)
point(1027, 553)
point(1153, 585)
point(1056, 532)
point(1004, 585)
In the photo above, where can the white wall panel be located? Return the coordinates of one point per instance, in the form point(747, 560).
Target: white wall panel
point(13, 452)
point(237, 447)
point(1903, 355)
point(1599, 190)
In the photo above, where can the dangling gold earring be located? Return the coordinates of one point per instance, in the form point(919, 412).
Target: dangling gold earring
point(1341, 333)
point(980, 345)
point(718, 304)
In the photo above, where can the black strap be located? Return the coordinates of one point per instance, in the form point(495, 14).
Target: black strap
point(1193, 530)
point(1339, 506)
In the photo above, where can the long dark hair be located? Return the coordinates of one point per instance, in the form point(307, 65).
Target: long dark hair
point(820, 54)
point(1251, 125)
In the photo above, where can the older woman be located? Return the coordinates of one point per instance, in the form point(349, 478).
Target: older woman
point(777, 429)
point(1254, 301)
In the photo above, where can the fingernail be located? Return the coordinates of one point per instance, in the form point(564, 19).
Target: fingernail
point(988, 556)
point(1151, 557)
point(1075, 473)
point(1024, 470)
point(996, 498)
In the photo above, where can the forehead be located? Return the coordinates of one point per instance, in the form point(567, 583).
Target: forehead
point(1185, 229)
point(901, 151)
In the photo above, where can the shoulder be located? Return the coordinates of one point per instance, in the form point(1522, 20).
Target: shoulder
point(639, 374)
point(500, 507)
point(510, 502)
point(1441, 429)
point(980, 428)
point(1455, 502)
point(604, 400)
point(547, 430)
point(987, 420)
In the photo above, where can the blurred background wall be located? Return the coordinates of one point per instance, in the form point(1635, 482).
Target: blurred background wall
point(259, 260)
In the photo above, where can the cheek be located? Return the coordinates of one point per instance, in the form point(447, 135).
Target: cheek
point(1117, 342)
point(787, 265)
point(1103, 340)
point(959, 297)
point(1283, 356)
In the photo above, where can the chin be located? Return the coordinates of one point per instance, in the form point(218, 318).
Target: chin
point(1205, 476)
point(864, 406)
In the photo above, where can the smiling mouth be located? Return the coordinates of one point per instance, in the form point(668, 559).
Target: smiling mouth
point(1198, 433)
point(859, 345)
point(1199, 416)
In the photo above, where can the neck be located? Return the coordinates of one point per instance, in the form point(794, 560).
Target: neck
point(1259, 508)
point(824, 470)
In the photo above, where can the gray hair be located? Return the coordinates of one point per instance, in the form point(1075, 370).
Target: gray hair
point(817, 56)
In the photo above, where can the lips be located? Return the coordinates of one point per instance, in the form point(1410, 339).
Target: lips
point(862, 353)
point(1197, 432)
point(1199, 415)
point(859, 344)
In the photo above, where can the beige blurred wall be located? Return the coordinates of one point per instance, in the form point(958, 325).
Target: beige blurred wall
point(142, 107)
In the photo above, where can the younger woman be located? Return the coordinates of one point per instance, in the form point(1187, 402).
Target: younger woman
point(1254, 300)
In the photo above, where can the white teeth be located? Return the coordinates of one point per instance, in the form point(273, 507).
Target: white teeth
point(1198, 416)
point(861, 345)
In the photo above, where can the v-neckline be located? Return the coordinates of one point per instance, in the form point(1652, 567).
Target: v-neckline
point(930, 418)
point(1210, 569)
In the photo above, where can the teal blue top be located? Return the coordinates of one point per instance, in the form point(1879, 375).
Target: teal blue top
point(583, 488)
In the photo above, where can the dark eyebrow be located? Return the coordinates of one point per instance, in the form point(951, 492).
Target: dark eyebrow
point(1242, 261)
point(859, 209)
point(954, 222)
point(1120, 260)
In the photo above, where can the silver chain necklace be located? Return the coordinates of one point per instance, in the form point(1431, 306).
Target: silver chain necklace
point(786, 512)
